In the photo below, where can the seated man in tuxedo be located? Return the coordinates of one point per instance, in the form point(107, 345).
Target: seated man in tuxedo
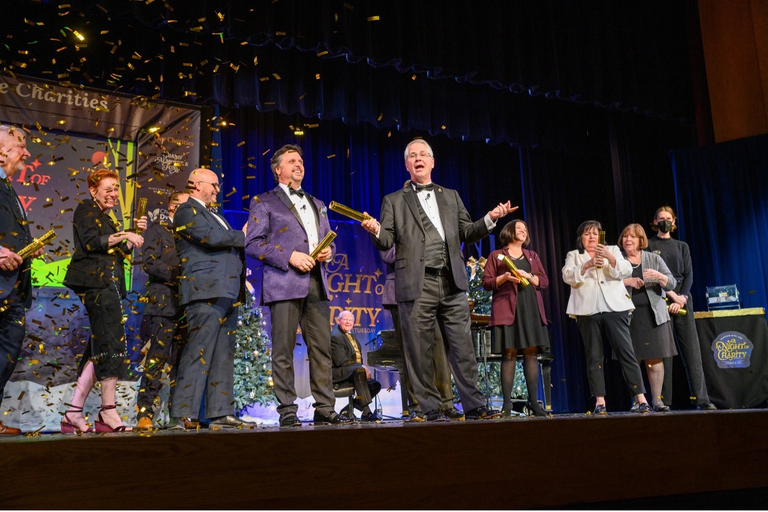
point(348, 366)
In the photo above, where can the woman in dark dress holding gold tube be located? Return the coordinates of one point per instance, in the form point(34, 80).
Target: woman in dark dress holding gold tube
point(517, 311)
point(96, 275)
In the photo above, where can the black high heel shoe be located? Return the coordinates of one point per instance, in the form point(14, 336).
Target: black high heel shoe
point(102, 427)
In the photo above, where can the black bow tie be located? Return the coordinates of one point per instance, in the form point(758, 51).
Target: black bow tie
point(299, 192)
point(427, 187)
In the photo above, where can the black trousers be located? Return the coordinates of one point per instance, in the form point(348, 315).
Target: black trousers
point(439, 360)
point(12, 334)
point(166, 343)
point(373, 387)
point(441, 305)
point(613, 326)
point(690, 352)
point(207, 363)
point(314, 315)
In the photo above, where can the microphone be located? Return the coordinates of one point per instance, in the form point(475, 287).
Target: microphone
point(428, 193)
point(303, 207)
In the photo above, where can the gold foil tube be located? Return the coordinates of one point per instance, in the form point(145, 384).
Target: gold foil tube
point(141, 211)
point(681, 311)
point(601, 241)
point(325, 242)
point(36, 244)
point(512, 268)
point(348, 212)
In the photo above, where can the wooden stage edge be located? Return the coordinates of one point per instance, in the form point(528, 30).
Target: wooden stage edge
point(565, 461)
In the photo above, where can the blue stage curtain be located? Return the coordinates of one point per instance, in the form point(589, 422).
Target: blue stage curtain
point(722, 208)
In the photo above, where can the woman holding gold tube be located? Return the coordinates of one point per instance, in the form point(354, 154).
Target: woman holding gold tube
point(602, 308)
point(517, 312)
point(97, 276)
point(651, 329)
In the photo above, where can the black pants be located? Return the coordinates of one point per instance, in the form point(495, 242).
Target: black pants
point(440, 304)
point(314, 315)
point(12, 333)
point(613, 326)
point(207, 364)
point(373, 386)
point(689, 349)
point(166, 343)
point(440, 362)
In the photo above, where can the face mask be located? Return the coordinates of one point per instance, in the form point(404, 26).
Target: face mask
point(665, 226)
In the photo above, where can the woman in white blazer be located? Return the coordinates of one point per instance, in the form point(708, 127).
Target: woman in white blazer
point(601, 306)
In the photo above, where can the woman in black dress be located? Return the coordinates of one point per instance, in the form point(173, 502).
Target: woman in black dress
point(517, 313)
point(96, 274)
point(651, 329)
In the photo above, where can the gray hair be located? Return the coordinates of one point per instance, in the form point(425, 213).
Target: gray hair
point(414, 141)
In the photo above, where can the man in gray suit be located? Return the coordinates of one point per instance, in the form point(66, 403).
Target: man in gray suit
point(428, 224)
point(285, 226)
point(211, 287)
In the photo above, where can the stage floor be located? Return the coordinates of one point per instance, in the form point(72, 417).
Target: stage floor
point(563, 461)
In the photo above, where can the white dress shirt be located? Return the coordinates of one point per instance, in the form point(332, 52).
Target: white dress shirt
point(218, 218)
point(306, 214)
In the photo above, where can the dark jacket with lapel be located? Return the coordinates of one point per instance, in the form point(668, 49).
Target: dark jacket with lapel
point(401, 226)
point(14, 235)
point(161, 263)
point(274, 232)
point(504, 300)
point(343, 355)
point(212, 259)
point(94, 264)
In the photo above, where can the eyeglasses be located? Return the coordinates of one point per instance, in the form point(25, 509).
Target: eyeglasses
point(215, 185)
point(423, 154)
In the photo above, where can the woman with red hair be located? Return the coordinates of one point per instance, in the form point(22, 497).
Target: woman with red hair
point(97, 276)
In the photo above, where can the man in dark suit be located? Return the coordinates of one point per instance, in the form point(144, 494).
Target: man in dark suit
point(284, 227)
point(212, 285)
point(161, 323)
point(348, 366)
point(429, 223)
point(15, 278)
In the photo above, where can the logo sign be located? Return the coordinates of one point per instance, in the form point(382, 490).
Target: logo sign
point(732, 349)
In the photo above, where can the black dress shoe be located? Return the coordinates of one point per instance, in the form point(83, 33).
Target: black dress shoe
point(333, 418)
point(482, 413)
point(182, 424)
point(600, 410)
point(453, 414)
point(371, 417)
point(661, 408)
point(290, 421)
point(415, 417)
point(436, 416)
point(230, 421)
point(709, 406)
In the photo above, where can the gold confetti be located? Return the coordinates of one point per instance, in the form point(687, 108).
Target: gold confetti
point(373, 18)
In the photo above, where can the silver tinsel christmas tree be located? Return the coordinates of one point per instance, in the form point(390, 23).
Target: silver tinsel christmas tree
point(253, 361)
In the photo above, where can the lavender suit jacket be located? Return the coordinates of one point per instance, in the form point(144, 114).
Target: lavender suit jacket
point(274, 232)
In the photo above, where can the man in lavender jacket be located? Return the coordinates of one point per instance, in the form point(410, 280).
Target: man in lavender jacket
point(284, 227)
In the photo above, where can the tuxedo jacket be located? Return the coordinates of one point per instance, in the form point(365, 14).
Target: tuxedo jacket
point(94, 264)
point(504, 300)
point(343, 355)
point(212, 259)
point(162, 265)
point(14, 235)
point(401, 226)
point(607, 281)
point(274, 232)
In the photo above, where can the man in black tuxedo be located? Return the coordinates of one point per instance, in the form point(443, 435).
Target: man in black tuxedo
point(428, 223)
point(161, 323)
point(211, 288)
point(15, 278)
point(347, 359)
